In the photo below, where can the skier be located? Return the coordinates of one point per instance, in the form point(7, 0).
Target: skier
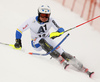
point(42, 40)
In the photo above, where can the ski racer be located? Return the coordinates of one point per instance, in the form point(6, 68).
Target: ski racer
point(42, 40)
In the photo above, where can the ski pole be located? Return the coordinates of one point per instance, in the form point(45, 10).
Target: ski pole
point(3, 43)
point(82, 24)
point(12, 45)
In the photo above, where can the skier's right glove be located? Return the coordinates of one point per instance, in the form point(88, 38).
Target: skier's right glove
point(18, 43)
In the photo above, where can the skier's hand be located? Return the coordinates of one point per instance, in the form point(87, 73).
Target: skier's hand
point(18, 43)
point(58, 33)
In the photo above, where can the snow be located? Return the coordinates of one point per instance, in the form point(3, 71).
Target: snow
point(18, 66)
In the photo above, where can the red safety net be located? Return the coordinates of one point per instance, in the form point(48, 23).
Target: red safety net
point(87, 9)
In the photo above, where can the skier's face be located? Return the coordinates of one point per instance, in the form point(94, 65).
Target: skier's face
point(44, 17)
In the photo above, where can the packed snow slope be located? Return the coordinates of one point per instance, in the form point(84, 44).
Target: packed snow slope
point(18, 66)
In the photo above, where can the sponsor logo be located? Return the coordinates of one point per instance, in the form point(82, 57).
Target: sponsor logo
point(25, 26)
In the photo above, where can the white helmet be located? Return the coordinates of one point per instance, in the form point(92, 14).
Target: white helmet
point(44, 9)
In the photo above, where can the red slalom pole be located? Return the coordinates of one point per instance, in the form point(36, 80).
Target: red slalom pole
point(63, 2)
point(73, 5)
point(95, 3)
point(83, 8)
point(82, 23)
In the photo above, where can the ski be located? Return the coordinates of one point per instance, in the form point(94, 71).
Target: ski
point(52, 49)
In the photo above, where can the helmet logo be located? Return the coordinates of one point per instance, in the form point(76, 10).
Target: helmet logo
point(42, 6)
point(45, 10)
point(42, 9)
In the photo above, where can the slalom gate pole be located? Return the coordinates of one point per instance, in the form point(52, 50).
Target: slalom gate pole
point(52, 49)
point(82, 24)
point(58, 44)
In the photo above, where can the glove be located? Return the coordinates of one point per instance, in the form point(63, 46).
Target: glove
point(58, 33)
point(18, 43)
point(53, 35)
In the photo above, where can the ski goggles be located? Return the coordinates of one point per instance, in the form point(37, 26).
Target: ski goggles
point(44, 15)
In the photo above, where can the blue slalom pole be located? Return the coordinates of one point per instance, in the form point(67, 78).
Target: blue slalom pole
point(53, 48)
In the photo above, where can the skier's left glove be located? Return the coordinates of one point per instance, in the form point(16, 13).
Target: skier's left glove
point(18, 43)
point(58, 33)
